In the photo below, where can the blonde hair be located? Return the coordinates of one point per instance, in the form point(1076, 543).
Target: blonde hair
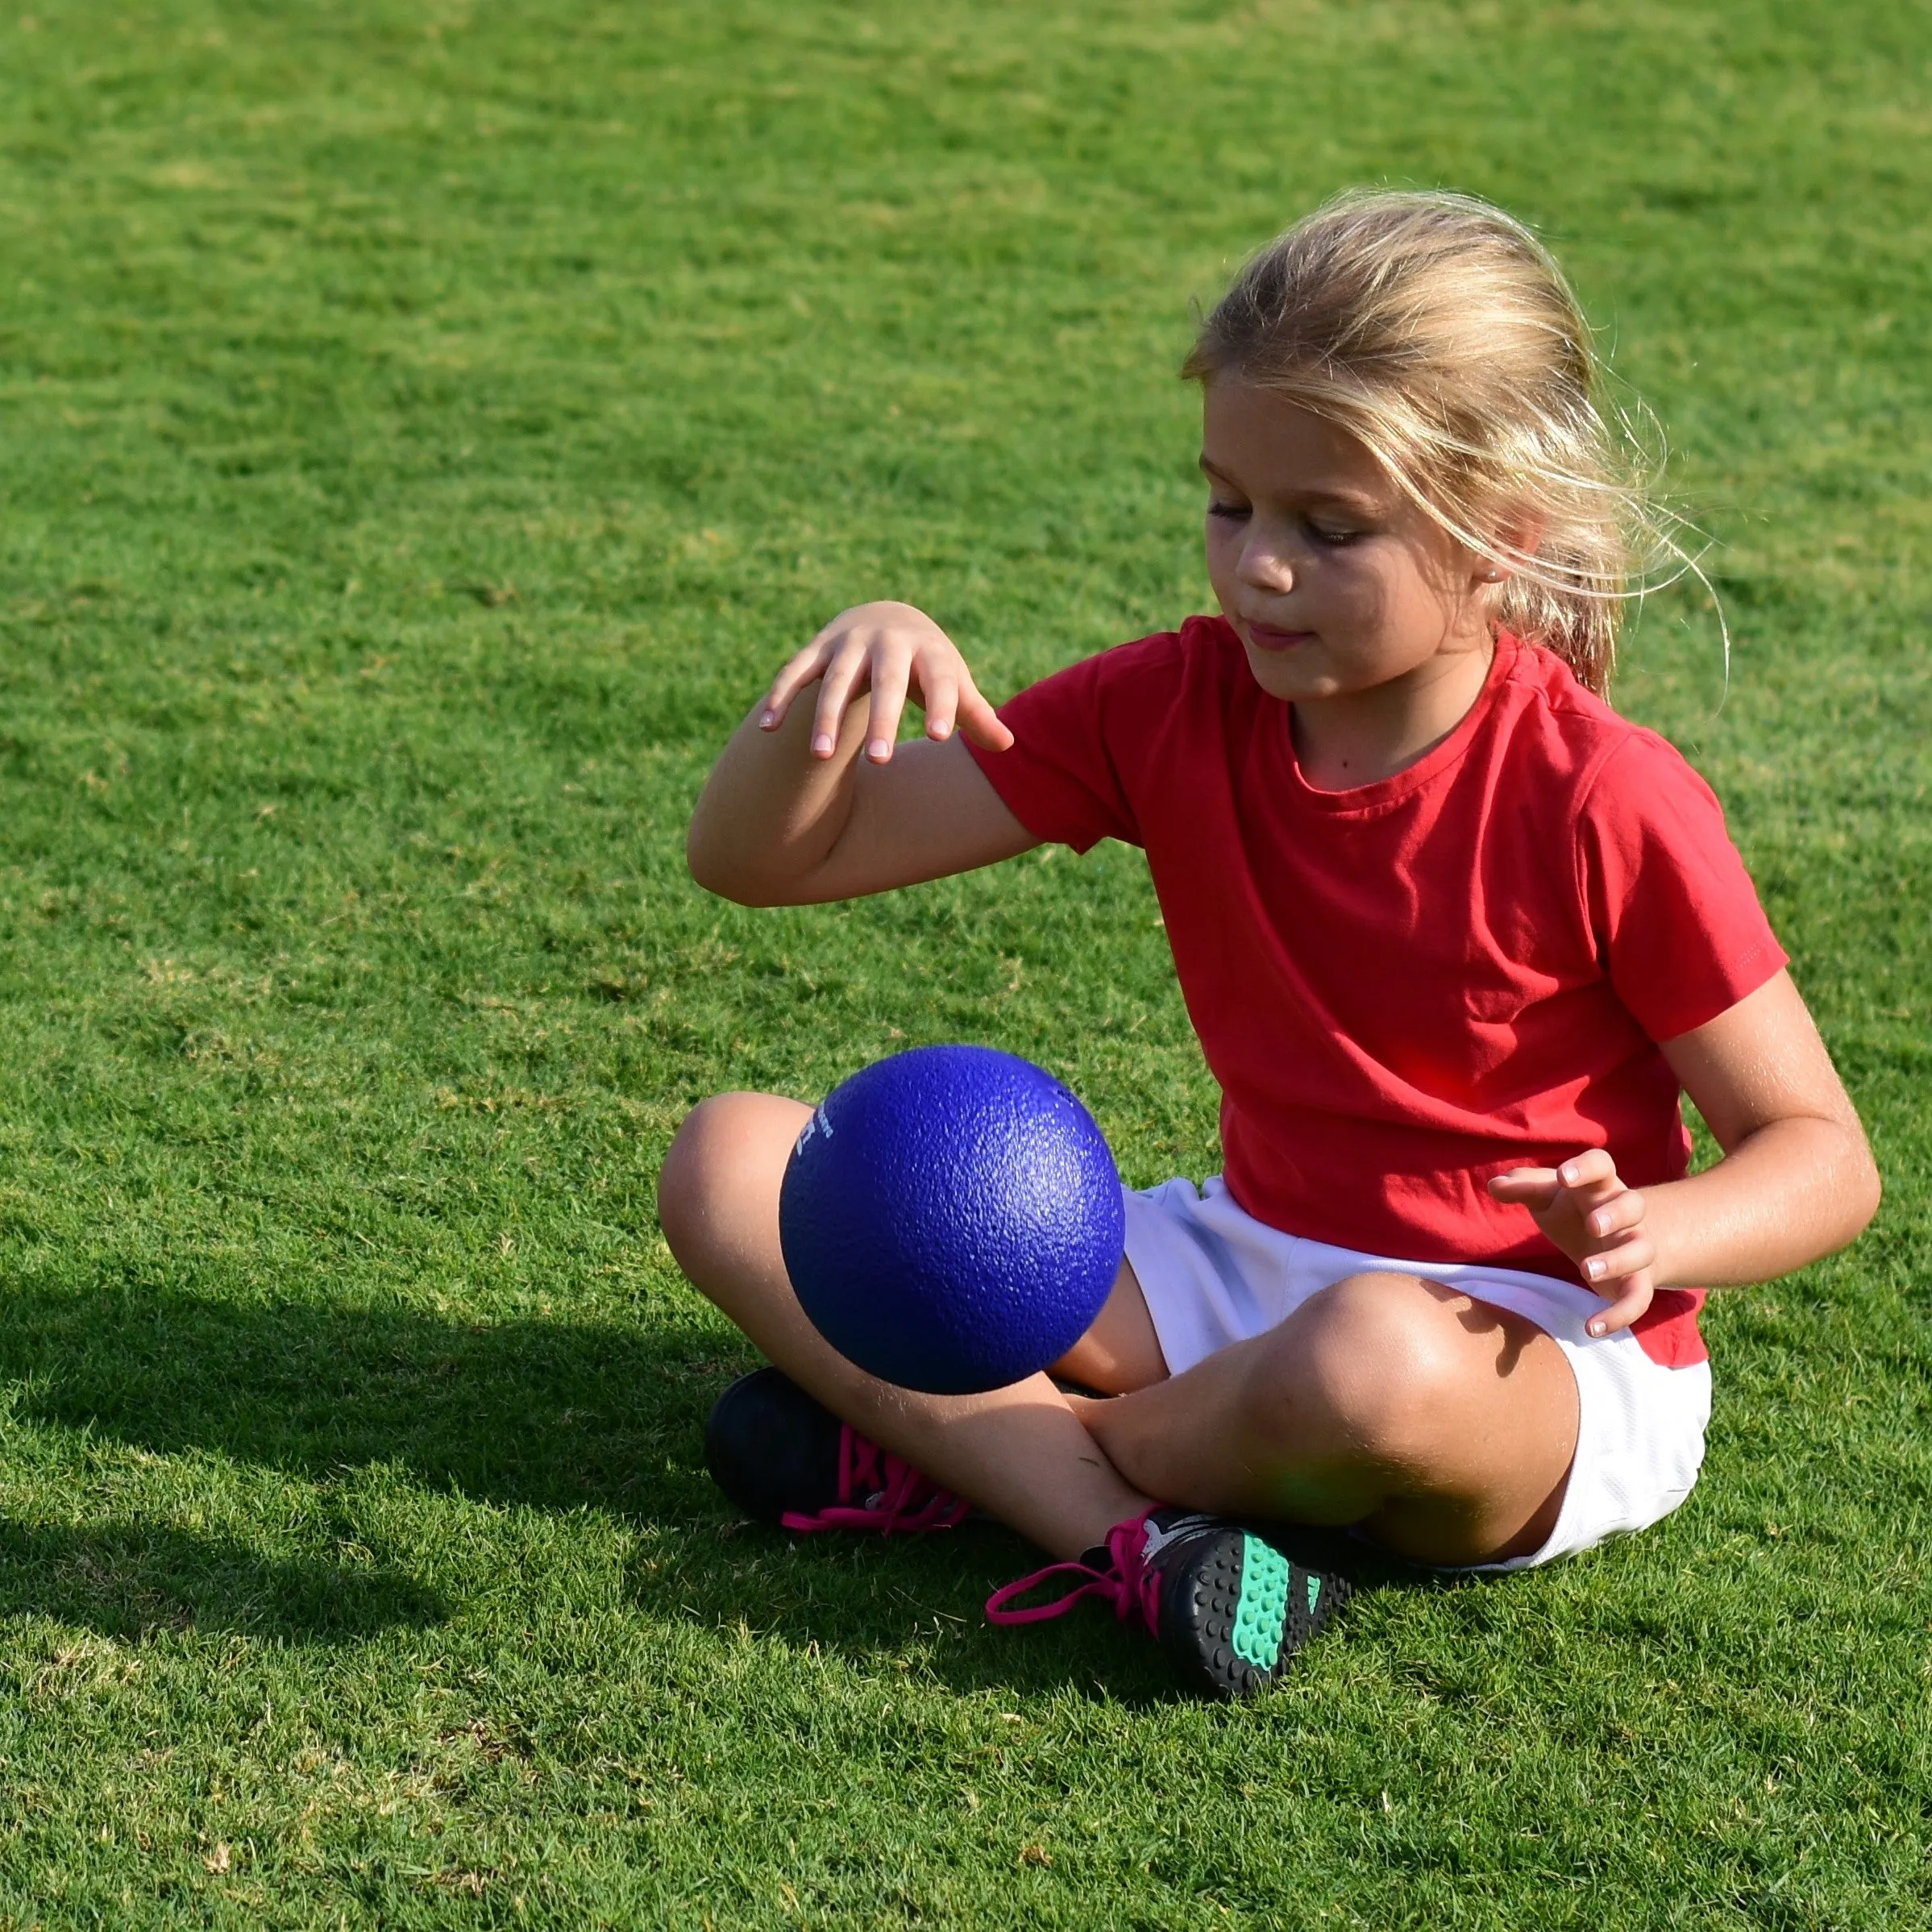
point(1439, 333)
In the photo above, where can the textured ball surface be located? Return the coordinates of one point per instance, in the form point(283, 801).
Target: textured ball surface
point(951, 1219)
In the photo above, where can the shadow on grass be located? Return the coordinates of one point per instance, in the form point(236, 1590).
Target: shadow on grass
point(548, 1414)
point(920, 1600)
point(543, 1413)
point(128, 1580)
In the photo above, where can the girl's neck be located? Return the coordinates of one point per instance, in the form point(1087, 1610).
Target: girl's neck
point(1359, 737)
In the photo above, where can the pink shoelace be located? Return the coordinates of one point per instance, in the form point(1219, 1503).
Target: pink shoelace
point(893, 1495)
point(1129, 1584)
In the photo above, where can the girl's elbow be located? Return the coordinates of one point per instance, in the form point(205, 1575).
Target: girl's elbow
point(716, 872)
point(1859, 1188)
point(1870, 1189)
point(722, 882)
point(702, 863)
point(711, 868)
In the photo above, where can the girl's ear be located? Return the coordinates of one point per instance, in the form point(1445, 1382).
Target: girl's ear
point(1519, 538)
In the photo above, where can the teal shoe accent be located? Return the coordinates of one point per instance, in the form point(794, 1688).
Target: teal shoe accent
point(1262, 1612)
point(1227, 1606)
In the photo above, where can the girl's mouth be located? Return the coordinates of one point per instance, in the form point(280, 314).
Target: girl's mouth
point(1266, 636)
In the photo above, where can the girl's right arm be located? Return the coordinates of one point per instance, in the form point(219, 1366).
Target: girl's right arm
point(809, 801)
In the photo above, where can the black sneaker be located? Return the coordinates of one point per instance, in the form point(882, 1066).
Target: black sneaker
point(1228, 1606)
point(784, 1458)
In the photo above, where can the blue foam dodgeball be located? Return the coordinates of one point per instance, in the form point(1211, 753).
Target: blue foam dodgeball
point(951, 1219)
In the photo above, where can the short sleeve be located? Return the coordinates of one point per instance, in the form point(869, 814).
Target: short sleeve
point(1674, 914)
point(1062, 776)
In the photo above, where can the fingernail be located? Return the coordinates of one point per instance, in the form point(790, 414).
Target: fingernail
point(1597, 1327)
point(1593, 1269)
point(942, 731)
point(1566, 1176)
point(822, 743)
point(767, 719)
point(879, 751)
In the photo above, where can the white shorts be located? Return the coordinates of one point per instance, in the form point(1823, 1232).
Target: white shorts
point(1213, 1275)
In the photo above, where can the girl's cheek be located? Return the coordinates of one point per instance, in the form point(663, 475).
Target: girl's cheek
point(1366, 594)
point(1221, 556)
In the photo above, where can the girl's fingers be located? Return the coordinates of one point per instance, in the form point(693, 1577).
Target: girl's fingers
point(942, 695)
point(1588, 1170)
point(883, 647)
point(1617, 1261)
point(891, 674)
point(1526, 1186)
point(835, 692)
point(980, 722)
point(1619, 1212)
point(800, 670)
point(1634, 1296)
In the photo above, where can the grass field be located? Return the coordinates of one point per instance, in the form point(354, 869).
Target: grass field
point(422, 428)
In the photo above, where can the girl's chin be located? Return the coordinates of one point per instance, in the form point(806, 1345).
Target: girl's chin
point(1282, 673)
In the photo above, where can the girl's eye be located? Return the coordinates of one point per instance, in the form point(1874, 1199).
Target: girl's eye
point(1324, 533)
point(1229, 512)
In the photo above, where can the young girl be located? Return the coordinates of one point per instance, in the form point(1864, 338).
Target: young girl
point(1454, 935)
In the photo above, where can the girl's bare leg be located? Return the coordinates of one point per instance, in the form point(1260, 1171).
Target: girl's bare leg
point(1020, 1453)
point(1441, 1425)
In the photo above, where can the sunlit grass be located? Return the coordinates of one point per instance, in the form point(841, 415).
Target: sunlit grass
point(421, 429)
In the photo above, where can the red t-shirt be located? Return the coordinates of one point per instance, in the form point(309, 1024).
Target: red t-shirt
point(1405, 988)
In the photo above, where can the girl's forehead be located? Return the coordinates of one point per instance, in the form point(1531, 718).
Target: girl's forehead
point(1267, 443)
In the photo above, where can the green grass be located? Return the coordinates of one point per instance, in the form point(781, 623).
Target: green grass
point(421, 429)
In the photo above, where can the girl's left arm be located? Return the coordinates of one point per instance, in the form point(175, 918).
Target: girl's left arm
point(1796, 1181)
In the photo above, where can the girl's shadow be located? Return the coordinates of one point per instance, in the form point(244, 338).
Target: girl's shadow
point(541, 1414)
point(135, 1581)
point(548, 1414)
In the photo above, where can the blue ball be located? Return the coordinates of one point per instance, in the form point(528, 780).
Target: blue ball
point(951, 1219)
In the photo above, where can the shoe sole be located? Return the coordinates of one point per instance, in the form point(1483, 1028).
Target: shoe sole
point(1248, 1615)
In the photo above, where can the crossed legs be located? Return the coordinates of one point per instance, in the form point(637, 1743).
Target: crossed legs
point(1442, 1426)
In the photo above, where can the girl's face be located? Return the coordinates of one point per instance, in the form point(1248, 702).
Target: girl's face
point(1336, 583)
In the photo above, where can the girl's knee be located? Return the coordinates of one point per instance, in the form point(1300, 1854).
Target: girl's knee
point(1384, 1357)
point(725, 1162)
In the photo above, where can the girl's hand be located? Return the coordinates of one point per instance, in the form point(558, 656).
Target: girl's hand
point(1596, 1221)
point(894, 651)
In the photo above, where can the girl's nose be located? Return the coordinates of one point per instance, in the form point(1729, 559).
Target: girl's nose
point(1265, 568)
